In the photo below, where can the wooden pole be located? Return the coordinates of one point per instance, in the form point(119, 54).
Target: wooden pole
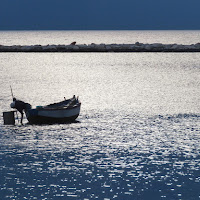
point(11, 92)
point(12, 99)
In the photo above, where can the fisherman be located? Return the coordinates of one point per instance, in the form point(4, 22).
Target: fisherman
point(20, 106)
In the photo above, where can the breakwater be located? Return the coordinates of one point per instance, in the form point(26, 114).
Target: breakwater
point(137, 47)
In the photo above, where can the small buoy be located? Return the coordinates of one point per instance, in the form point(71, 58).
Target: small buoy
point(12, 105)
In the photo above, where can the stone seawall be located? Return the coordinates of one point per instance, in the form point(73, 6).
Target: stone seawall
point(137, 47)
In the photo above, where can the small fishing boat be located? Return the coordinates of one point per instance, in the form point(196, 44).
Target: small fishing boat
point(62, 112)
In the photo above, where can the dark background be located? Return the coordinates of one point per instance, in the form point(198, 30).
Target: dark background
point(99, 14)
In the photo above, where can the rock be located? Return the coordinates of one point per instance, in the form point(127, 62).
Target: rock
point(137, 47)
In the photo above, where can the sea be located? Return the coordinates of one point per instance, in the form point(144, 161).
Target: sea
point(138, 133)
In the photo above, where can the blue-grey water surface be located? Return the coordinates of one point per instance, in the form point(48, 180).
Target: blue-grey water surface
point(98, 37)
point(137, 136)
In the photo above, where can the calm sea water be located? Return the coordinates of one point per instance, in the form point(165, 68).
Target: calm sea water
point(98, 37)
point(138, 134)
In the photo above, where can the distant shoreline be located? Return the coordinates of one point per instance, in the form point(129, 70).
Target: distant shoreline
point(137, 47)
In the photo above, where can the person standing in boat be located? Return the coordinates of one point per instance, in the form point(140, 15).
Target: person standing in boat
point(20, 106)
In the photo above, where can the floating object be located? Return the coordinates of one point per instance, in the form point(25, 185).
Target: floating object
point(61, 112)
point(9, 118)
point(12, 105)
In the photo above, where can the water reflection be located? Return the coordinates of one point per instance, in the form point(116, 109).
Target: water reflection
point(131, 143)
point(123, 157)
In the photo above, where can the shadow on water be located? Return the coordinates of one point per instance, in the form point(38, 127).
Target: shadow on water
point(45, 124)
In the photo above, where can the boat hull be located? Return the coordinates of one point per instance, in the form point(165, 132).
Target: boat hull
point(51, 120)
point(51, 116)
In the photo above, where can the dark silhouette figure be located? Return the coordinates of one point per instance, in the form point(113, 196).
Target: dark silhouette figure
point(73, 43)
point(20, 106)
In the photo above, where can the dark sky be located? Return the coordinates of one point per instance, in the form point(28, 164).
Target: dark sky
point(99, 14)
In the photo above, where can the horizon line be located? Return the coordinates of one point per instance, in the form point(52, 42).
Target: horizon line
point(99, 29)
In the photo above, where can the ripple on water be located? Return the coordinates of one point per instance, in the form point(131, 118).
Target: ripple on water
point(104, 157)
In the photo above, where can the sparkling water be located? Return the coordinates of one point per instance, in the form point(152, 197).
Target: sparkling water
point(137, 136)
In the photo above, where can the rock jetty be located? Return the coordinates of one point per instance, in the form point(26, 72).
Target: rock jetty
point(137, 47)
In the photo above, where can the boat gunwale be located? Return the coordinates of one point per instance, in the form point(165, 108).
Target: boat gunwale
point(58, 108)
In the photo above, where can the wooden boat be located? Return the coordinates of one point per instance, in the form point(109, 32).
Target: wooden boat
point(62, 112)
